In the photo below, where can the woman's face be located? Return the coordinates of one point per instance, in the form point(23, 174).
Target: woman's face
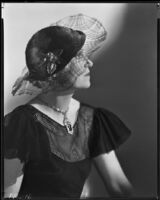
point(76, 75)
point(82, 65)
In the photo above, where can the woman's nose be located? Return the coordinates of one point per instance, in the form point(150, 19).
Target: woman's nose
point(89, 63)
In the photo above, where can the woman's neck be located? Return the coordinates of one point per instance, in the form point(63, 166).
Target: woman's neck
point(59, 100)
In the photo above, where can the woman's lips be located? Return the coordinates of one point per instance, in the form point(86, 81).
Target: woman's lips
point(88, 74)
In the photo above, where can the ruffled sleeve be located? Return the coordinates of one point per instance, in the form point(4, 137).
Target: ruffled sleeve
point(16, 135)
point(108, 132)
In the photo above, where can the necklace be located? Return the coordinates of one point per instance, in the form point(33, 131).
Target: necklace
point(66, 121)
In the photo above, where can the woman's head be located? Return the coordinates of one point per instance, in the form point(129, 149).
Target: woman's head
point(57, 56)
point(50, 50)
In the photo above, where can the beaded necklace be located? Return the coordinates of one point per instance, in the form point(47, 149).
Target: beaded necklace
point(66, 121)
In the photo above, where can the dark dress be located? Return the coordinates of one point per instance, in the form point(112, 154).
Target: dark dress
point(57, 163)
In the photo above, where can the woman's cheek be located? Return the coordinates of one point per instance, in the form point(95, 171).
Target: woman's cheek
point(77, 68)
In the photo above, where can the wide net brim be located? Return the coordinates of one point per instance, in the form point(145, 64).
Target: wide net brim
point(93, 29)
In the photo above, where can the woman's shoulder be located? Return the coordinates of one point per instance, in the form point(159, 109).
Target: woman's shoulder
point(18, 114)
point(101, 115)
point(108, 131)
point(18, 110)
point(90, 111)
point(95, 110)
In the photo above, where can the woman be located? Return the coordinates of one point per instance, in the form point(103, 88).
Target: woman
point(51, 141)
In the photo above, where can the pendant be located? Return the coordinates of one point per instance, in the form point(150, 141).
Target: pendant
point(68, 126)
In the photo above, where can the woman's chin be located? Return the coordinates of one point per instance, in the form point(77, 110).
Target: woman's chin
point(84, 86)
point(88, 85)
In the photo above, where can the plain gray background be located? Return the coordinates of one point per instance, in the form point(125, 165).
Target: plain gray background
point(124, 80)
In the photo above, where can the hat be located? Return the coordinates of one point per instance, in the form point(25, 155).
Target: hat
point(51, 49)
point(93, 29)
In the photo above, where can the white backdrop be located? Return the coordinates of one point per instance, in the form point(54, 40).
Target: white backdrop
point(22, 20)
